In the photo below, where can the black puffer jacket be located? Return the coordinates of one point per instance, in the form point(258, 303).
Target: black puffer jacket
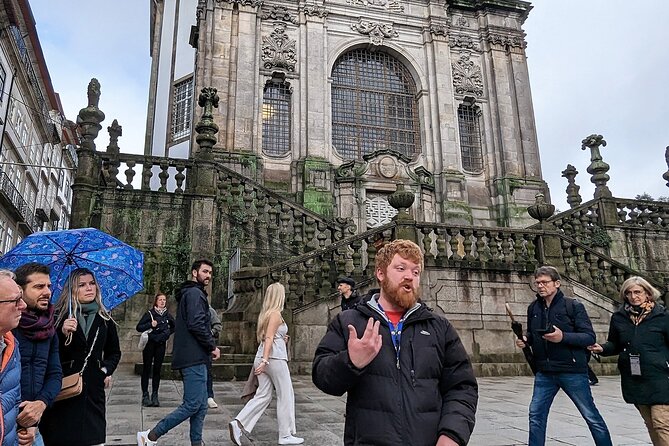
point(431, 392)
point(649, 340)
point(570, 355)
point(353, 300)
point(163, 329)
point(193, 342)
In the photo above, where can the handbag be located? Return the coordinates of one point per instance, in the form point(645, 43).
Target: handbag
point(73, 384)
point(144, 337)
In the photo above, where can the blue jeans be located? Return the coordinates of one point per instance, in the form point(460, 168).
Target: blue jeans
point(194, 405)
point(38, 441)
point(577, 388)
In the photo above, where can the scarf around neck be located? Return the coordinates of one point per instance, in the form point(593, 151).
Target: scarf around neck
point(160, 311)
point(38, 325)
point(639, 312)
point(86, 315)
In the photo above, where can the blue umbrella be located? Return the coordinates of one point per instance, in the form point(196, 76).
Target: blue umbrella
point(118, 267)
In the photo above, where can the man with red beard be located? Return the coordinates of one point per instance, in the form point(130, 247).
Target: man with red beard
point(41, 373)
point(408, 378)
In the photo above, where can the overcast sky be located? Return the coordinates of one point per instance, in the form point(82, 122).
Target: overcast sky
point(596, 66)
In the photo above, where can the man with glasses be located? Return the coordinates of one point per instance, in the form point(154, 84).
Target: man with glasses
point(559, 330)
point(41, 373)
point(11, 306)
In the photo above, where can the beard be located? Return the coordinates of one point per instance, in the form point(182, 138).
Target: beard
point(404, 299)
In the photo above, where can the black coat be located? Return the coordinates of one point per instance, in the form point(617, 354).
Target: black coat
point(432, 392)
point(353, 300)
point(650, 340)
point(81, 420)
point(193, 342)
point(569, 355)
point(162, 331)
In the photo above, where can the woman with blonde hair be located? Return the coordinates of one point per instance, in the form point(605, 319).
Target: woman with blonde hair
point(88, 343)
point(639, 335)
point(271, 368)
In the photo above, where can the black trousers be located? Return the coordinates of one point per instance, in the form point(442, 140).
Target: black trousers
point(153, 354)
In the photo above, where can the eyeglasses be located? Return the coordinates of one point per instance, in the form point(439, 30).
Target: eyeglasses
point(543, 283)
point(16, 301)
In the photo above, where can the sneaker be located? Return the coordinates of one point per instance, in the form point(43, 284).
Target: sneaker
point(235, 432)
point(289, 439)
point(143, 439)
point(211, 403)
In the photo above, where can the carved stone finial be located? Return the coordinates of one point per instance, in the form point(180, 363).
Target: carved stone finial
point(573, 197)
point(115, 131)
point(666, 159)
point(206, 128)
point(401, 200)
point(90, 117)
point(540, 210)
point(597, 167)
point(93, 93)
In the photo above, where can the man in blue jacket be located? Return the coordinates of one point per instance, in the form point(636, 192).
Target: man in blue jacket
point(194, 345)
point(559, 330)
point(41, 373)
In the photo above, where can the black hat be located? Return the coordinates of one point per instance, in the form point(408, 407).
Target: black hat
point(347, 281)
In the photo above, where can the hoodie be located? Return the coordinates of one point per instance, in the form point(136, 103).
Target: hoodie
point(193, 342)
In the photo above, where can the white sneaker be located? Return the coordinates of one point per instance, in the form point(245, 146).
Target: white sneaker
point(211, 403)
point(143, 439)
point(289, 439)
point(235, 432)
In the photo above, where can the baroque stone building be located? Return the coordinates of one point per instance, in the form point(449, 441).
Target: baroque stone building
point(334, 103)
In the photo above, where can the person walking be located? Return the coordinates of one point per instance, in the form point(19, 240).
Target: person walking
point(216, 327)
point(41, 373)
point(271, 368)
point(559, 332)
point(88, 341)
point(161, 323)
point(349, 297)
point(408, 379)
point(639, 335)
point(193, 346)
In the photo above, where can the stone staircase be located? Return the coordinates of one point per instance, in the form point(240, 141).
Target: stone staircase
point(514, 364)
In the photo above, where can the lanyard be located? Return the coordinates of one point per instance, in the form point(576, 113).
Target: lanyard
point(395, 334)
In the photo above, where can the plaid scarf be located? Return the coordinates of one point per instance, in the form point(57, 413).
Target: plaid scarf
point(37, 325)
point(639, 312)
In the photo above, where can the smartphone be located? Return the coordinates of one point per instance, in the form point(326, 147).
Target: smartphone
point(543, 331)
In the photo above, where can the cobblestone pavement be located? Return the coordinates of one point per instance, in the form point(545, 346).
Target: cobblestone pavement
point(501, 418)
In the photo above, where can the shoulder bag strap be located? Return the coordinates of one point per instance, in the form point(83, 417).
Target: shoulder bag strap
point(90, 351)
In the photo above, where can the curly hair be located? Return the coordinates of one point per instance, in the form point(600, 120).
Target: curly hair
point(405, 248)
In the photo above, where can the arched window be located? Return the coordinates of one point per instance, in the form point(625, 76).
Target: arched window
point(470, 137)
point(276, 118)
point(374, 105)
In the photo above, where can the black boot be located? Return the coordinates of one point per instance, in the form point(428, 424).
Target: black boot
point(146, 401)
point(154, 399)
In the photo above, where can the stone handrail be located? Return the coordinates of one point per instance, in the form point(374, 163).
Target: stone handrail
point(139, 170)
point(641, 213)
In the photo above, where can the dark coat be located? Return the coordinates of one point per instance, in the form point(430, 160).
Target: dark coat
point(80, 420)
point(193, 342)
point(570, 355)
point(162, 331)
point(649, 340)
point(41, 374)
point(430, 392)
point(351, 302)
point(10, 389)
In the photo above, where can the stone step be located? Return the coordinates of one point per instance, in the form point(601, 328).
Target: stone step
point(488, 369)
point(220, 371)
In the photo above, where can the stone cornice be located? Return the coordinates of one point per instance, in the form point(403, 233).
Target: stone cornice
point(252, 3)
point(522, 8)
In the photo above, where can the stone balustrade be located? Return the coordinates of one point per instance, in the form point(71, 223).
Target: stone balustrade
point(147, 173)
point(645, 214)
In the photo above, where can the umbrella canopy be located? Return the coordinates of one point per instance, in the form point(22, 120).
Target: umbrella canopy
point(118, 267)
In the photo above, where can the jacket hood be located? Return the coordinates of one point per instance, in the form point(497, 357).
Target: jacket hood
point(186, 285)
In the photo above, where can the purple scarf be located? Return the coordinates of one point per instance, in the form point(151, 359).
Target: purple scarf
point(37, 325)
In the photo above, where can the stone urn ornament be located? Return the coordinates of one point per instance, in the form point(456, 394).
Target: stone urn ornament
point(540, 210)
point(401, 200)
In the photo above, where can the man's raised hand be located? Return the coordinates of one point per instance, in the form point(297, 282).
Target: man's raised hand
point(362, 351)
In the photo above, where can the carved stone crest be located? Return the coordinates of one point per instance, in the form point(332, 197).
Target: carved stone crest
point(387, 167)
point(253, 3)
point(278, 50)
point(276, 12)
point(462, 41)
point(467, 76)
point(375, 30)
point(315, 10)
point(390, 5)
point(506, 40)
point(438, 30)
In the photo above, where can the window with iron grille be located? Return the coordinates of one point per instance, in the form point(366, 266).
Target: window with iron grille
point(182, 104)
point(276, 118)
point(374, 105)
point(3, 78)
point(470, 138)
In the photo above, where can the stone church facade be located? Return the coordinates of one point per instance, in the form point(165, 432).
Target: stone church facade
point(336, 102)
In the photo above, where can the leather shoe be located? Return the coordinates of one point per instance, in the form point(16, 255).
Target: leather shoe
point(235, 432)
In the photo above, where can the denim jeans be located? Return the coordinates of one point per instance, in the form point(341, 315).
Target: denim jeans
point(194, 405)
point(38, 441)
point(577, 388)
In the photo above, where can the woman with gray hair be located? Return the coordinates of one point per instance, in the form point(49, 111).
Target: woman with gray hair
point(639, 335)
